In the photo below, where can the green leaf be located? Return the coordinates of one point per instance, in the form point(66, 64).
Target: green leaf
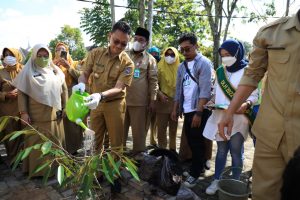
point(131, 163)
point(60, 174)
point(46, 147)
point(58, 152)
point(37, 146)
point(105, 170)
point(17, 160)
point(132, 171)
point(112, 162)
point(46, 175)
point(26, 152)
point(95, 163)
point(7, 136)
point(3, 122)
point(25, 132)
point(85, 186)
point(67, 181)
point(15, 135)
point(39, 168)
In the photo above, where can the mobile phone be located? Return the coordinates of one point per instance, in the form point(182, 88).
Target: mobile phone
point(63, 54)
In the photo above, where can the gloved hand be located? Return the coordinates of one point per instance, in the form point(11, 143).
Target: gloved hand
point(79, 87)
point(93, 100)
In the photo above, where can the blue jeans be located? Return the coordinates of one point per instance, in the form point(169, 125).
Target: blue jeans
point(235, 145)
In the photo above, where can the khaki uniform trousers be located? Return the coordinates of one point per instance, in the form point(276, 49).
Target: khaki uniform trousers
point(109, 117)
point(136, 117)
point(163, 121)
point(268, 166)
point(151, 124)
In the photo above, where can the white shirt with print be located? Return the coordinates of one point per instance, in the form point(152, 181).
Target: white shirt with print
point(188, 88)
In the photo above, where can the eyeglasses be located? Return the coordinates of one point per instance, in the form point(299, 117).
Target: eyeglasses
point(170, 54)
point(117, 42)
point(185, 49)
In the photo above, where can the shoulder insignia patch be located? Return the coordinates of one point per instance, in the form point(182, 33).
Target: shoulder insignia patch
point(128, 70)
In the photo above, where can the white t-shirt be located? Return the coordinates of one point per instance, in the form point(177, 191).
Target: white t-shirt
point(188, 88)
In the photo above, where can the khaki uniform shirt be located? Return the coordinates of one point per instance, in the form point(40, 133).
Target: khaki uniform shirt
point(145, 86)
point(7, 106)
point(277, 50)
point(107, 70)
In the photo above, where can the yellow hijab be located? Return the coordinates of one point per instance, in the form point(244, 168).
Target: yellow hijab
point(14, 70)
point(167, 73)
point(68, 77)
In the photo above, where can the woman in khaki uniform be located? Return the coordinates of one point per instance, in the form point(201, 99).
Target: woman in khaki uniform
point(167, 72)
point(73, 132)
point(11, 59)
point(41, 98)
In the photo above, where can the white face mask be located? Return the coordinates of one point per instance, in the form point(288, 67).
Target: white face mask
point(228, 60)
point(170, 59)
point(10, 61)
point(137, 46)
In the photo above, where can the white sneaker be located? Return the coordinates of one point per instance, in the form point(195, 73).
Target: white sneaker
point(207, 165)
point(212, 189)
point(190, 182)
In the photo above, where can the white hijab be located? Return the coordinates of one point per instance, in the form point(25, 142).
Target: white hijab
point(44, 85)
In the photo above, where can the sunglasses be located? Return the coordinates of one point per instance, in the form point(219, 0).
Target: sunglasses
point(170, 54)
point(117, 42)
point(185, 49)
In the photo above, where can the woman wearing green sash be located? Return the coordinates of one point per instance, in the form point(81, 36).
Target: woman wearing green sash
point(228, 77)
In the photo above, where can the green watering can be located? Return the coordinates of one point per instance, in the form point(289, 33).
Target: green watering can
point(76, 110)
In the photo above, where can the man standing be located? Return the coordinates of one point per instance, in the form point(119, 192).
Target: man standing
point(276, 50)
point(142, 92)
point(193, 90)
point(111, 72)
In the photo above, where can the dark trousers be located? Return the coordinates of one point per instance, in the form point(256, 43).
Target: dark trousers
point(195, 140)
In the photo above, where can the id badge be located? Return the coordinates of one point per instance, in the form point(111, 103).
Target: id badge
point(136, 73)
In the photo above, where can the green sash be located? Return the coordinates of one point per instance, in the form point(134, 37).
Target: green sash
point(229, 91)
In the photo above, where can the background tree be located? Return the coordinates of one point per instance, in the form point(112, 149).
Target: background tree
point(219, 11)
point(150, 20)
point(97, 22)
point(214, 10)
point(142, 13)
point(174, 18)
point(73, 38)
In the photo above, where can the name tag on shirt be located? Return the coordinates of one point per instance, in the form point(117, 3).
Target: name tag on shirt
point(136, 73)
point(187, 80)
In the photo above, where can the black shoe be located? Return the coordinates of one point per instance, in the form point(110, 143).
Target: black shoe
point(116, 187)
